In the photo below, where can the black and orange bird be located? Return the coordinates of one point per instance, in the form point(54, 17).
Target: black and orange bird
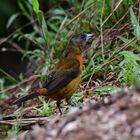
point(64, 79)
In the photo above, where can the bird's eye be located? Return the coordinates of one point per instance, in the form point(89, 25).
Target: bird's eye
point(83, 36)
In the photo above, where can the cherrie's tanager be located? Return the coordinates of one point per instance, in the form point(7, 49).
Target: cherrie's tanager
point(64, 79)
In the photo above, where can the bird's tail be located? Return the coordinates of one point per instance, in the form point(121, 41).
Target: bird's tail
point(25, 98)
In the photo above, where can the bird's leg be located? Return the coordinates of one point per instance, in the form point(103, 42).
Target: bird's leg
point(58, 105)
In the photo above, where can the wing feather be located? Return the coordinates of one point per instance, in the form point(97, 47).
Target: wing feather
point(61, 78)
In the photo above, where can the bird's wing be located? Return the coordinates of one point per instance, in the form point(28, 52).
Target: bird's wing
point(61, 78)
point(50, 78)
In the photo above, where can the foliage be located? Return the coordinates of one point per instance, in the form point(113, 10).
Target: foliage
point(46, 109)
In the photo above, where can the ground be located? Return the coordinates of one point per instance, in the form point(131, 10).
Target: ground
point(115, 117)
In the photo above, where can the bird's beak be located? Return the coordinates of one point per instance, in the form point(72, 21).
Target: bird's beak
point(89, 37)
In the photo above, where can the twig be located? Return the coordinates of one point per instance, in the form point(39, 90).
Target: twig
point(118, 4)
point(79, 15)
point(23, 82)
point(26, 121)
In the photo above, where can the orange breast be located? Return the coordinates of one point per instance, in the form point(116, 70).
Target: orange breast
point(80, 59)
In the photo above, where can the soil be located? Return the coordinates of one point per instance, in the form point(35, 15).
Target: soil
point(113, 117)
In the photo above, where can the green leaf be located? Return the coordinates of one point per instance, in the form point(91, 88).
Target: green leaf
point(35, 5)
point(88, 2)
point(57, 12)
point(30, 37)
point(135, 23)
point(76, 97)
point(33, 54)
point(8, 76)
point(89, 69)
point(46, 109)
point(11, 19)
point(40, 16)
point(3, 96)
point(131, 58)
point(127, 41)
point(43, 24)
point(2, 81)
point(22, 8)
point(106, 88)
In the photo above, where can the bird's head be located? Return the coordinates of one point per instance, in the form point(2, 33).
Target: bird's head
point(76, 43)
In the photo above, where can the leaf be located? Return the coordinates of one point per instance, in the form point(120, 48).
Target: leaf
point(11, 79)
point(22, 8)
point(43, 24)
point(89, 69)
point(131, 58)
point(135, 23)
point(106, 88)
point(2, 81)
point(44, 69)
point(35, 5)
point(3, 96)
point(127, 41)
point(8, 76)
point(11, 19)
point(57, 12)
point(76, 97)
point(127, 3)
point(88, 2)
point(41, 18)
point(29, 37)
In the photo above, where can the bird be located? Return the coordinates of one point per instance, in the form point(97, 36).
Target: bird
point(65, 78)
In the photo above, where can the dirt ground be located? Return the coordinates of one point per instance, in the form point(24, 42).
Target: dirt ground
point(113, 117)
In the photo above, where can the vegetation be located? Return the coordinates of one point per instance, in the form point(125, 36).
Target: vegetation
point(111, 62)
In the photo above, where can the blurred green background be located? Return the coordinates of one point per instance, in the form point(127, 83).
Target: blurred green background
point(10, 61)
